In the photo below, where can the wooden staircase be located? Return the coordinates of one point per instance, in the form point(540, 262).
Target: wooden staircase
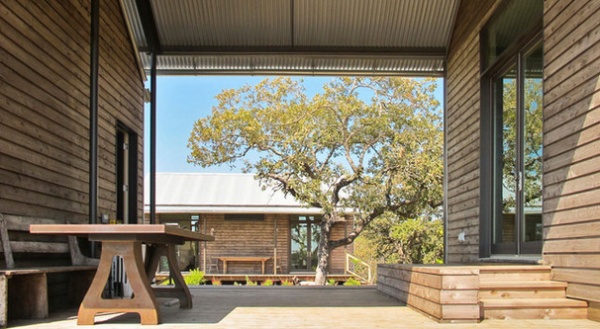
point(525, 292)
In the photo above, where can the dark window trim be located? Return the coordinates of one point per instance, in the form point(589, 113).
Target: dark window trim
point(245, 217)
point(132, 168)
point(512, 55)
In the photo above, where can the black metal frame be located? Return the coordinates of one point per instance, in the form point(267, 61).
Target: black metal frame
point(132, 168)
point(511, 56)
point(94, 63)
point(154, 47)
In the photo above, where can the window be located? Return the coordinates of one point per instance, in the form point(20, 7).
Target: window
point(511, 130)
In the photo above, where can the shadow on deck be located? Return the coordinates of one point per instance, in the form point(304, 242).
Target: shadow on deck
point(287, 307)
point(277, 279)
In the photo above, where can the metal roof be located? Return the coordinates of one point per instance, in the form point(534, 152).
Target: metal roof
point(390, 37)
point(219, 193)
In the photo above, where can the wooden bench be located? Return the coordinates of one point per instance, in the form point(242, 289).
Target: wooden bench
point(26, 287)
point(243, 259)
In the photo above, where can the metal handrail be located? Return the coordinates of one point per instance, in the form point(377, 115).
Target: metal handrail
point(357, 260)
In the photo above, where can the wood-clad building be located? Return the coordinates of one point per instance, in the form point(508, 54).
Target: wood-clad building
point(522, 113)
point(569, 68)
point(246, 221)
point(45, 116)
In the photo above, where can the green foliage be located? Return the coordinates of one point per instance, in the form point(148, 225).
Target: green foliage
point(352, 282)
point(331, 282)
point(365, 249)
point(287, 283)
point(250, 282)
point(267, 282)
point(407, 241)
point(195, 277)
point(370, 144)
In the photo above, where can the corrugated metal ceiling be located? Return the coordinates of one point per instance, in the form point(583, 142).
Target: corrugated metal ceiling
point(407, 37)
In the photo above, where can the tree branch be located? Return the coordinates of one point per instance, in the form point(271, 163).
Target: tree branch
point(287, 188)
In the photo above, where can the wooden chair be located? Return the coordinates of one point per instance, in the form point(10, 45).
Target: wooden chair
point(214, 263)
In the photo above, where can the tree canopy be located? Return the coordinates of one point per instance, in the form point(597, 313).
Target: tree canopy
point(373, 145)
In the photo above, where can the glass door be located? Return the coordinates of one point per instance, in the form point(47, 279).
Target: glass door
point(305, 235)
point(517, 103)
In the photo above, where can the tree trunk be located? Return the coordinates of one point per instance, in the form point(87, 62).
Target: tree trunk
point(323, 252)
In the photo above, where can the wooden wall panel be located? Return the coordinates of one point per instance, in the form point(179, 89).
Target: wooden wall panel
point(572, 145)
point(44, 112)
point(462, 122)
point(256, 238)
point(337, 263)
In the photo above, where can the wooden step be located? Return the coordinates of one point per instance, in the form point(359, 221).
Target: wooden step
point(533, 308)
point(504, 273)
point(522, 289)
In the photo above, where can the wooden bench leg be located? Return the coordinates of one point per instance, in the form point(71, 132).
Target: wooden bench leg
point(143, 301)
point(180, 291)
point(28, 296)
point(3, 300)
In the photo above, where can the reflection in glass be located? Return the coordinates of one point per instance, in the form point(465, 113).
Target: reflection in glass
point(505, 89)
point(532, 146)
point(305, 235)
point(516, 18)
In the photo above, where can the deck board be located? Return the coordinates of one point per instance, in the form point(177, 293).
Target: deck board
point(291, 307)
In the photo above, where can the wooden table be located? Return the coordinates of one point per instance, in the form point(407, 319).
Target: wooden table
point(226, 259)
point(126, 241)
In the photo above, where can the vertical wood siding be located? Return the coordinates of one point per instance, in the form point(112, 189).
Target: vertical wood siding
point(572, 144)
point(463, 137)
point(44, 112)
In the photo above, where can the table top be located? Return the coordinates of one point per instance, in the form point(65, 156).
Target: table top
point(244, 258)
point(148, 233)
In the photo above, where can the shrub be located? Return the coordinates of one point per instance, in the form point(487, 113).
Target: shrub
point(216, 282)
point(352, 282)
point(267, 283)
point(331, 282)
point(287, 283)
point(250, 282)
point(195, 277)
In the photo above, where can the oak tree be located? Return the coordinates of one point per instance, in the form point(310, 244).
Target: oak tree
point(372, 145)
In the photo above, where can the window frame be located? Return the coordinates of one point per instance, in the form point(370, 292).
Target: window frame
point(512, 55)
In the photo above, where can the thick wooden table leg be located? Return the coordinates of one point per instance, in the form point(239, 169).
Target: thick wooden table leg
point(180, 291)
point(143, 301)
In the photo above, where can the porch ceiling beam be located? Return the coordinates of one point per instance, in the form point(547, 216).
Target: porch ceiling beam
point(307, 72)
point(148, 25)
point(315, 51)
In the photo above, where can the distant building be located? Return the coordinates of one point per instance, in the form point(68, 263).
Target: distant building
point(246, 220)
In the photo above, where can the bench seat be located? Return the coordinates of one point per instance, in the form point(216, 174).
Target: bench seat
point(26, 292)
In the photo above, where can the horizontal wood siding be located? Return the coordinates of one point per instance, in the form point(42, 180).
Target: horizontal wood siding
point(44, 111)
point(572, 145)
point(462, 126)
point(445, 293)
point(252, 238)
point(338, 256)
point(248, 238)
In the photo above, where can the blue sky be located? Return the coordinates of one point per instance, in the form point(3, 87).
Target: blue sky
point(180, 101)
